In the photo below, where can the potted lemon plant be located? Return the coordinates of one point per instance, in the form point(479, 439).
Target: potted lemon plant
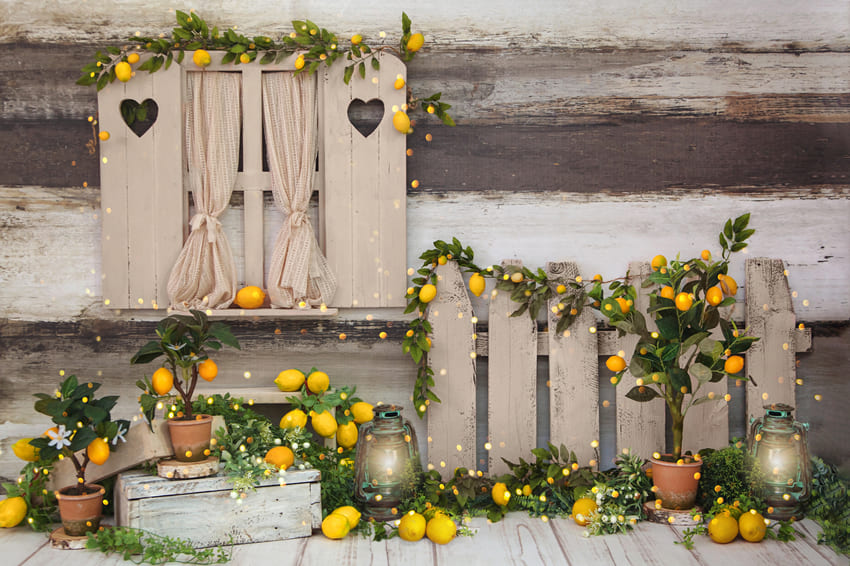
point(84, 432)
point(688, 302)
point(185, 342)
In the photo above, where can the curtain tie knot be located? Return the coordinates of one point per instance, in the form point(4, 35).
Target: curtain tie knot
point(298, 218)
point(211, 221)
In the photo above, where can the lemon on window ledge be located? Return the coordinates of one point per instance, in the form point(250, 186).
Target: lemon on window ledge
point(250, 297)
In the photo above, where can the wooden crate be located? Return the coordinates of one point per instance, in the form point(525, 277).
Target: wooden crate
point(203, 511)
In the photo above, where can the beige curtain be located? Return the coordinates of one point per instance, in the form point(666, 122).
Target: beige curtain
point(205, 274)
point(298, 271)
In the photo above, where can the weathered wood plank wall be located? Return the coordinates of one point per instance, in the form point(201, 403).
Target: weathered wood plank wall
point(599, 131)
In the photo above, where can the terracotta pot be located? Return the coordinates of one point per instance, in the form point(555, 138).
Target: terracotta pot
point(676, 483)
point(81, 513)
point(191, 439)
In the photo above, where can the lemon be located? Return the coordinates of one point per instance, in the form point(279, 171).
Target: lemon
point(103, 135)
point(668, 293)
point(162, 381)
point(441, 529)
point(658, 262)
point(250, 297)
point(362, 412)
point(500, 494)
point(356, 39)
point(290, 380)
point(752, 526)
point(517, 277)
point(25, 451)
point(723, 528)
point(335, 526)
point(280, 456)
point(299, 63)
point(733, 364)
point(123, 71)
point(399, 83)
point(615, 363)
point(683, 301)
point(244, 58)
point(582, 510)
point(324, 424)
point(351, 514)
point(714, 296)
point(208, 369)
point(561, 289)
point(296, 418)
point(12, 511)
point(318, 382)
point(705, 255)
point(201, 57)
point(624, 305)
point(477, 284)
point(526, 490)
point(427, 293)
point(401, 122)
point(133, 58)
point(346, 435)
point(412, 526)
point(728, 285)
point(98, 451)
point(415, 43)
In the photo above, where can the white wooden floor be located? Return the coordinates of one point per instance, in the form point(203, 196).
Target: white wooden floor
point(517, 540)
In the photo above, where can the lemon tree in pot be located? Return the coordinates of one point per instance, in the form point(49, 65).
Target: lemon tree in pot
point(689, 300)
point(83, 433)
point(184, 342)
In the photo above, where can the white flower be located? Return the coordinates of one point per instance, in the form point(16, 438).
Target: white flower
point(120, 434)
point(59, 438)
point(277, 441)
point(306, 445)
point(295, 446)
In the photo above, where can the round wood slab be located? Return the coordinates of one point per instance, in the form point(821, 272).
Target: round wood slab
point(58, 539)
point(680, 518)
point(175, 470)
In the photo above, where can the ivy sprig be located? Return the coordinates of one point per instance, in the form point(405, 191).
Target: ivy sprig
point(144, 547)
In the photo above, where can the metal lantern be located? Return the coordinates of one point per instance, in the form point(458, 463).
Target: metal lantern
point(387, 461)
point(781, 446)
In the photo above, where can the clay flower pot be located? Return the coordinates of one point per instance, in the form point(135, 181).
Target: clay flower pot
point(191, 439)
point(676, 483)
point(81, 513)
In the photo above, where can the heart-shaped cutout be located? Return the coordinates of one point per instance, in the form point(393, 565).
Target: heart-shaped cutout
point(365, 116)
point(139, 117)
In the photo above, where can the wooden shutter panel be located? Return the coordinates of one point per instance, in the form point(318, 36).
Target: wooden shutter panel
point(142, 197)
point(364, 188)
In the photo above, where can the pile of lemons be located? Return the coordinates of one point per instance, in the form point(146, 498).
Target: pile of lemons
point(724, 528)
point(413, 526)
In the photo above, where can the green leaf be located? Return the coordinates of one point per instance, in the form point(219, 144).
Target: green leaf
point(96, 414)
point(700, 372)
point(405, 23)
point(727, 229)
point(642, 393)
point(736, 247)
point(376, 64)
point(741, 222)
point(267, 58)
point(723, 243)
point(228, 58)
point(679, 379)
point(743, 235)
point(693, 340)
point(362, 70)
point(711, 348)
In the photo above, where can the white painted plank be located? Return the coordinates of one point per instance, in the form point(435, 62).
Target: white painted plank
point(452, 423)
point(573, 375)
point(511, 383)
point(771, 361)
point(252, 164)
point(707, 425)
point(640, 426)
point(352, 550)
point(137, 484)
point(20, 542)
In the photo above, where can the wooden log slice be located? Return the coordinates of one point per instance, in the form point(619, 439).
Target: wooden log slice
point(176, 470)
point(59, 539)
point(681, 518)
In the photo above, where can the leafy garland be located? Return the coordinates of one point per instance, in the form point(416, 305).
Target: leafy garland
point(315, 44)
point(151, 548)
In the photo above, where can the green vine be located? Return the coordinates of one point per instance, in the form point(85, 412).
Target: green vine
point(143, 547)
point(315, 46)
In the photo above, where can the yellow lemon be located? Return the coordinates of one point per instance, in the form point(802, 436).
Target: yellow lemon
point(658, 262)
point(362, 412)
point(714, 296)
point(12, 511)
point(244, 58)
point(752, 526)
point(103, 135)
point(477, 284)
point(415, 43)
point(356, 39)
point(517, 277)
point(615, 363)
point(412, 526)
point(441, 529)
point(705, 255)
point(399, 83)
point(318, 382)
point(723, 528)
point(98, 451)
point(346, 435)
point(582, 510)
point(668, 293)
point(335, 526)
point(500, 494)
point(133, 58)
point(201, 57)
point(733, 364)
point(25, 451)
point(296, 418)
point(290, 380)
point(351, 514)
point(208, 369)
point(162, 381)
point(624, 304)
point(280, 456)
point(401, 122)
point(123, 71)
point(299, 62)
point(427, 293)
point(250, 297)
point(324, 424)
point(683, 301)
point(728, 285)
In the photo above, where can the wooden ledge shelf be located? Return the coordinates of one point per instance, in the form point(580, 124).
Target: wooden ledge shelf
point(272, 313)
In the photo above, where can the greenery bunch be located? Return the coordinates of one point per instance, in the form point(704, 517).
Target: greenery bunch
point(32, 486)
point(143, 547)
point(732, 474)
point(620, 495)
point(830, 506)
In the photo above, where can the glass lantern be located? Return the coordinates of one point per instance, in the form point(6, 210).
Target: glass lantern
point(387, 463)
point(781, 446)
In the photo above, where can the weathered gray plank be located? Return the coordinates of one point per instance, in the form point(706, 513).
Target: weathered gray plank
point(20, 543)
point(511, 382)
point(452, 423)
point(573, 374)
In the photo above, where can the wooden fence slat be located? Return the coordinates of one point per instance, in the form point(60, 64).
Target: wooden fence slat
point(512, 383)
point(451, 423)
point(771, 361)
point(640, 426)
point(252, 164)
point(573, 375)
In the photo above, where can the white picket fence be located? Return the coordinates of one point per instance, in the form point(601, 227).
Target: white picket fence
point(513, 344)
